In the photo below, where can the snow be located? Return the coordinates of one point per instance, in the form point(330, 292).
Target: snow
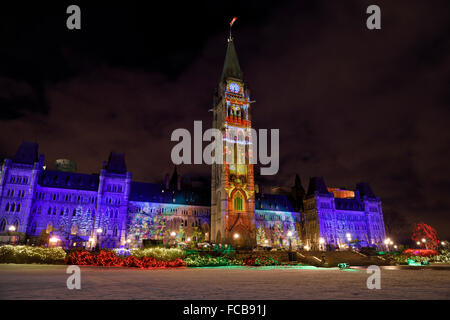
point(49, 282)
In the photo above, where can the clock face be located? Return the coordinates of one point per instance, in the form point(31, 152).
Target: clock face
point(234, 87)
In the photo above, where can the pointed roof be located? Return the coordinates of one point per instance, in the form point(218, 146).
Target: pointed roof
point(231, 67)
point(116, 163)
point(27, 153)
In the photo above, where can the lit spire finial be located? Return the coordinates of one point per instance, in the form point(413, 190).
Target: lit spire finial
point(231, 24)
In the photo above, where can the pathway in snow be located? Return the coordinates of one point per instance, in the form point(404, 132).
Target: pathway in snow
point(49, 282)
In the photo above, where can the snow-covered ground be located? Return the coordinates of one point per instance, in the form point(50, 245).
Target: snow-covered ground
point(49, 282)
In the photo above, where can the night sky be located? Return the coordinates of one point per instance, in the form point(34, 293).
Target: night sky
point(351, 104)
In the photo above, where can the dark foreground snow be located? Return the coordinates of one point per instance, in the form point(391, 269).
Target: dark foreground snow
point(49, 282)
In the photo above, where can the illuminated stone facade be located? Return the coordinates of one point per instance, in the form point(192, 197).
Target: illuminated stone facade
point(110, 210)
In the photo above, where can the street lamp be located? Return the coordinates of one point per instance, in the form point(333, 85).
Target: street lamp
point(236, 236)
point(12, 228)
point(424, 240)
point(173, 234)
point(99, 230)
point(289, 234)
point(53, 240)
point(418, 243)
point(321, 242)
point(188, 239)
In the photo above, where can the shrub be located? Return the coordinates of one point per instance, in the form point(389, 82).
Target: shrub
point(161, 254)
point(207, 261)
point(108, 258)
point(27, 254)
point(420, 252)
point(260, 261)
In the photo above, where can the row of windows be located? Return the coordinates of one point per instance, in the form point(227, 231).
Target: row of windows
point(10, 193)
point(3, 225)
point(73, 230)
point(65, 197)
point(113, 201)
point(114, 188)
point(61, 212)
point(12, 207)
point(173, 210)
point(18, 179)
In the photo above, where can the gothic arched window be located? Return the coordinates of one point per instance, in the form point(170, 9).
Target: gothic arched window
point(16, 225)
point(2, 225)
point(33, 228)
point(7, 207)
point(49, 227)
point(238, 203)
point(18, 207)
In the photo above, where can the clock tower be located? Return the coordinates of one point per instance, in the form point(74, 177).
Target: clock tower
point(232, 183)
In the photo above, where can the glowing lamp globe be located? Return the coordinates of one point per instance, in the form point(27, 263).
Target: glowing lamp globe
point(236, 236)
point(173, 234)
point(188, 239)
point(266, 241)
point(321, 240)
point(289, 234)
point(54, 240)
point(99, 230)
point(128, 240)
point(424, 240)
point(418, 243)
point(12, 228)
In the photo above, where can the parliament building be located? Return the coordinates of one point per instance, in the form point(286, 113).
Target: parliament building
point(110, 210)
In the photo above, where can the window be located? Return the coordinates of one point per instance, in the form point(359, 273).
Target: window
point(2, 225)
point(16, 225)
point(33, 228)
point(238, 203)
point(49, 227)
point(74, 212)
point(7, 207)
point(18, 208)
point(115, 231)
point(13, 207)
point(74, 229)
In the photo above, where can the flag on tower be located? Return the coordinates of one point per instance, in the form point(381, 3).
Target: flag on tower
point(232, 21)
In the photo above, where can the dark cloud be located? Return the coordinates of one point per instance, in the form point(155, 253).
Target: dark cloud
point(351, 104)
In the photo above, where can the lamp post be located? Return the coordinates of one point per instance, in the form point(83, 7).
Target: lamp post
point(321, 242)
point(289, 234)
point(349, 238)
point(53, 241)
point(99, 233)
point(173, 234)
point(387, 242)
point(424, 241)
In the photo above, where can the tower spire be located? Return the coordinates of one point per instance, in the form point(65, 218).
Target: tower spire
point(231, 67)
